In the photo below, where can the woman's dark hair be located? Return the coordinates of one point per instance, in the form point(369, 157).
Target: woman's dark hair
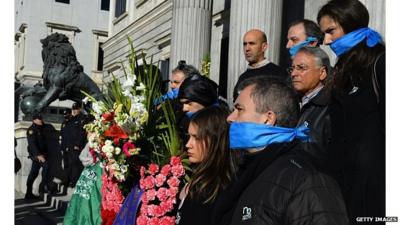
point(356, 65)
point(200, 89)
point(216, 170)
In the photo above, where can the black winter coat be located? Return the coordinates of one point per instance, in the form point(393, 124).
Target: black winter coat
point(358, 145)
point(315, 114)
point(38, 139)
point(279, 186)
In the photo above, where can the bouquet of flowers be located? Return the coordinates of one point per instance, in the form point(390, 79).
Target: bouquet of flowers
point(128, 132)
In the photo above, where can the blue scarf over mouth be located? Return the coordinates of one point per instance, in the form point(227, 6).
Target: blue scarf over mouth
point(348, 41)
point(172, 94)
point(246, 135)
point(293, 50)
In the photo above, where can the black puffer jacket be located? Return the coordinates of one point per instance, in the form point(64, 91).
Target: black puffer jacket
point(315, 113)
point(279, 186)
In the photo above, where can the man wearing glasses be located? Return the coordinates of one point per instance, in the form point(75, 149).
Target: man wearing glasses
point(310, 73)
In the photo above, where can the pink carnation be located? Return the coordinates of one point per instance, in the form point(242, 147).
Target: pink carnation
point(151, 194)
point(162, 194)
point(153, 221)
point(165, 170)
point(178, 170)
point(175, 160)
point(141, 220)
point(173, 182)
point(167, 205)
point(160, 179)
point(167, 220)
point(153, 168)
point(148, 182)
point(150, 209)
point(172, 192)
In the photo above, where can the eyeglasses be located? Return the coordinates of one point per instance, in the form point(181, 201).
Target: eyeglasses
point(301, 68)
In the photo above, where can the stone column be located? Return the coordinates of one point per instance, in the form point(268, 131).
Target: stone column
point(191, 31)
point(246, 15)
point(377, 15)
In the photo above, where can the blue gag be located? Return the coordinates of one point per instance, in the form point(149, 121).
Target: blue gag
point(190, 114)
point(245, 135)
point(172, 94)
point(348, 41)
point(293, 50)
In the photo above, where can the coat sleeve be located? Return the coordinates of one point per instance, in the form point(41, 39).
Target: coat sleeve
point(317, 200)
point(33, 145)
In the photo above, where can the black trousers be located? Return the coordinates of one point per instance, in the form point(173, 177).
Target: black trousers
point(33, 174)
point(73, 166)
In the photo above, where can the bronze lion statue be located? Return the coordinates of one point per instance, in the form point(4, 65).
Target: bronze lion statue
point(63, 76)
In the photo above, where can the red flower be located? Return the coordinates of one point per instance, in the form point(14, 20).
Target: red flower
point(125, 148)
point(108, 116)
point(115, 132)
point(175, 161)
point(153, 168)
point(165, 170)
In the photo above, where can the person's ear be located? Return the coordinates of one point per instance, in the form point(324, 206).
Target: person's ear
point(323, 73)
point(264, 46)
point(269, 118)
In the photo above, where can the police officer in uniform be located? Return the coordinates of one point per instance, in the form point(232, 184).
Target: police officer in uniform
point(73, 140)
point(38, 153)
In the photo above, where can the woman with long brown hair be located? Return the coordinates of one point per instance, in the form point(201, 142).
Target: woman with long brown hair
point(213, 163)
point(357, 107)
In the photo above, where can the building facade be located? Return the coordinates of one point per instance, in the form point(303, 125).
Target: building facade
point(173, 30)
point(85, 23)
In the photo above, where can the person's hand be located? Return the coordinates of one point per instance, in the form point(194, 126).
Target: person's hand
point(41, 158)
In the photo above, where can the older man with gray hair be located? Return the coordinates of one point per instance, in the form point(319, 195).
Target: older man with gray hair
point(310, 77)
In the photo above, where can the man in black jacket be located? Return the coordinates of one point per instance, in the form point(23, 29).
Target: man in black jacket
point(275, 183)
point(38, 153)
point(310, 74)
point(254, 46)
point(73, 140)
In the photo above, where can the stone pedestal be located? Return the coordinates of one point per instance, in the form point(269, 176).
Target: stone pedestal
point(247, 15)
point(191, 31)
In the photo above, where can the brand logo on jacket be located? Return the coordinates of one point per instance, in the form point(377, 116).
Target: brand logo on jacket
point(246, 213)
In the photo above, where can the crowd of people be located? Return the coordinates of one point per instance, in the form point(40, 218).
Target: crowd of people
point(305, 145)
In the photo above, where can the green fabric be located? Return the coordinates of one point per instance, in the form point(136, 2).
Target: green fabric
point(84, 207)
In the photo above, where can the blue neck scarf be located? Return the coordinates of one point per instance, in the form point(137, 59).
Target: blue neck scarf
point(172, 94)
point(190, 114)
point(245, 135)
point(348, 41)
point(293, 50)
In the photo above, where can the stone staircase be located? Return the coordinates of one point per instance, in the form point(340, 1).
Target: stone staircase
point(49, 210)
